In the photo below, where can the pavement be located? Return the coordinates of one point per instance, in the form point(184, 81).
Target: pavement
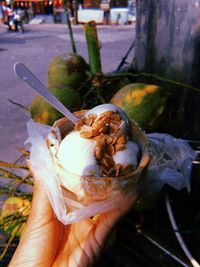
point(35, 48)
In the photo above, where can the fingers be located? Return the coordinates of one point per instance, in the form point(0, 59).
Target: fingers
point(125, 203)
point(106, 221)
point(37, 182)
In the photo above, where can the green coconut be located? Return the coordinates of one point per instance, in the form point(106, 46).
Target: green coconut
point(67, 70)
point(45, 113)
point(143, 103)
point(12, 206)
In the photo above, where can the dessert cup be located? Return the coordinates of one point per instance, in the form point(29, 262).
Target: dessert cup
point(90, 189)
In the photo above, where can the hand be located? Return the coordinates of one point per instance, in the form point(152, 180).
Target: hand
point(47, 242)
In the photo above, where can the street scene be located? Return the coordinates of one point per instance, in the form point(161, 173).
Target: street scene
point(35, 48)
point(127, 162)
point(46, 35)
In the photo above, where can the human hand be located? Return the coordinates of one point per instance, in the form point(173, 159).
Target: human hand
point(47, 242)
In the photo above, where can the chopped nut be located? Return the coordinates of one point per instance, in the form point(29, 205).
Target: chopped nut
point(90, 119)
point(113, 127)
point(108, 139)
point(101, 124)
point(121, 139)
point(79, 124)
point(95, 132)
point(86, 134)
point(104, 129)
point(117, 123)
point(100, 141)
point(119, 147)
point(117, 169)
point(115, 117)
point(111, 149)
point(114, 141)
point(106, 114)
point(98, 152)
point(107, 162)
point(86, 128)
point(104, 169)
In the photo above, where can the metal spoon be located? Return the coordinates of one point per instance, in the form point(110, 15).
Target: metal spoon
point(27, 76)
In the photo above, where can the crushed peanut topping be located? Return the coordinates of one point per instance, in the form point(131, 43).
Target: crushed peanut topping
point(104, 129)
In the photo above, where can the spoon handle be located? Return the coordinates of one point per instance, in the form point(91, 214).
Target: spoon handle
point(27, 76)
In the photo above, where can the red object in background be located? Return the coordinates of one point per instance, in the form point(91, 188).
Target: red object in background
point(57, 3)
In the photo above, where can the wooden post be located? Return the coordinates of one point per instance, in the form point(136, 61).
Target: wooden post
point(74, 6)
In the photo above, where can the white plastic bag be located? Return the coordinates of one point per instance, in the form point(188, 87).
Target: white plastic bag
point(171, 163)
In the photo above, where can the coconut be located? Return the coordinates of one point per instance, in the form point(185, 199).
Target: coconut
point(91, 188)
point(67, 70)
point(145, 103)
point(11, 206)
point(43, 112)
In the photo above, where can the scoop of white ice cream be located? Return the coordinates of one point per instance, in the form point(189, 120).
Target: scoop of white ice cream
point(127, 156)
point(76, 155)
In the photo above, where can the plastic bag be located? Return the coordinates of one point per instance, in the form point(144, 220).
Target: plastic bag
point(171, 162)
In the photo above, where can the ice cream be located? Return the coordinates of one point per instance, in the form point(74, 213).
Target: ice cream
point(129, 155)
point(101, 145)
point(76, 154)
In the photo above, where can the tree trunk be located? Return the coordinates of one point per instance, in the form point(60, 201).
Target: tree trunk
point(168, 44)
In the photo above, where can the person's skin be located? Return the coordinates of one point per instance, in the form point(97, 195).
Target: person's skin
point(47, 242)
